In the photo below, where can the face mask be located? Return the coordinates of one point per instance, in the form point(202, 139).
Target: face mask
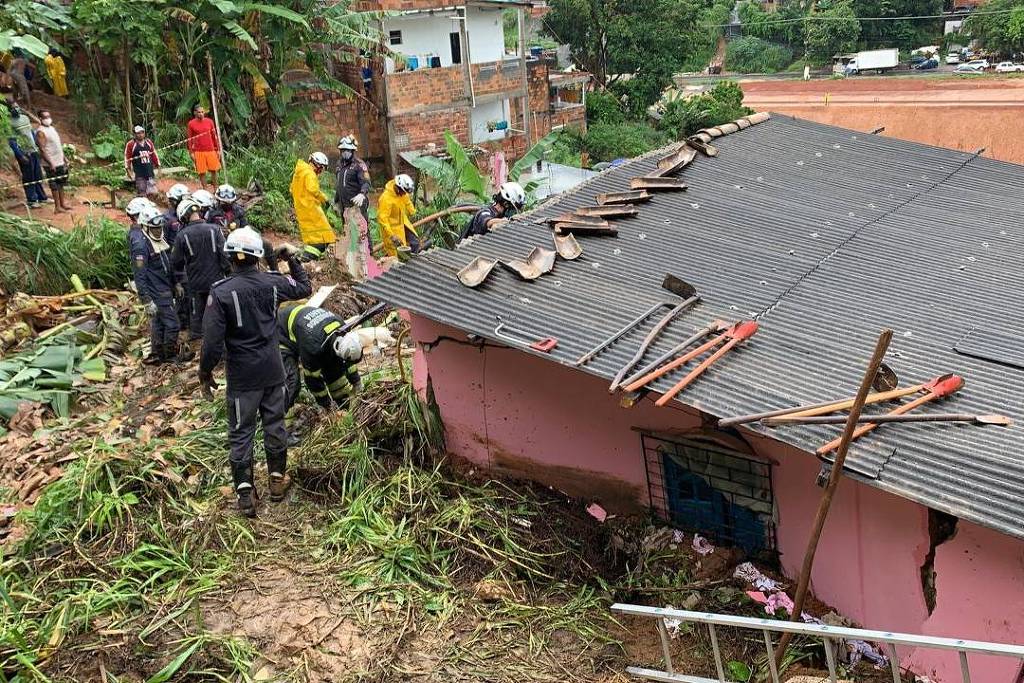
point(47, 122)
point(346, 155)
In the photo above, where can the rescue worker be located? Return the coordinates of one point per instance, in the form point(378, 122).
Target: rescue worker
point(57, 71)
point(172, 226)
point(156, 285)
point(309, 200)
point(226, 211)
point(175, 194)
point(135, 206)
point(509, 199)
point(394, 212)
point(309, 337)
point(206, 202)
point(199, 250)
point(241, 324)
point(351, 200)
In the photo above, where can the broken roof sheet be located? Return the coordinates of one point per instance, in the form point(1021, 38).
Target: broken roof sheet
point(826, 236)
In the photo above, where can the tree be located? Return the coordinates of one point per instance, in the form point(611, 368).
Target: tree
point(640, 44)
point(1003, 32)
point(28, 24)
point(832, 28)
point(905, 34)
point(161, 51)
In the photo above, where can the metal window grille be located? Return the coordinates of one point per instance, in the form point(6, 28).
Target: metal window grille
point(395, 37)
point(704, 487)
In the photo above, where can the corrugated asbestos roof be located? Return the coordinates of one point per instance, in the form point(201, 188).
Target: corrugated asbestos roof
point(827, 236)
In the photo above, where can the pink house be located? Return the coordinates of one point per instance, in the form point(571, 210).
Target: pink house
point(824, 236)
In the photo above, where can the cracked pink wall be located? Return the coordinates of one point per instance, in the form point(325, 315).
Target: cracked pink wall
point(531, 418)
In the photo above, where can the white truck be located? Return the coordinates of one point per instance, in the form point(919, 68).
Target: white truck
point(866, 61)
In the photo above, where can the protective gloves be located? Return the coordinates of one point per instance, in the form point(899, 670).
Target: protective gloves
point(206, 384)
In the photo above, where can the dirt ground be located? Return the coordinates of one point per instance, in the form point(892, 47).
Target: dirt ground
point(965, 113)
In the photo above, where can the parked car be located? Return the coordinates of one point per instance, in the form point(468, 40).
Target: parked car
point(980, 63)
point(1009, 67)
point(968, 69)
point(931, 63)
point(952, 58)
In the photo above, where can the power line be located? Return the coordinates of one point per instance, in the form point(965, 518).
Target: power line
point(825, 17)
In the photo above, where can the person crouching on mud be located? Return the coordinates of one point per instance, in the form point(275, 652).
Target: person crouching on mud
point(241, 323)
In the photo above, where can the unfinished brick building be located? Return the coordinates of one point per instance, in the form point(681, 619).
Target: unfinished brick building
point(463, 68)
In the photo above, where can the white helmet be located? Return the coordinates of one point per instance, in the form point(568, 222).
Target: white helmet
point(347, 142)
point(226, 194)
point(177, 192)
point(244, 241)
point(404, 182)
point(150, 217)
point(136, 206)
point(187, 206)
point(348, 347)
point(513, 193)
point(320, 159)
point(203, 198)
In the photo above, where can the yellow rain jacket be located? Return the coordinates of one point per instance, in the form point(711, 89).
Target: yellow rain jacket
point(393, 214)
point(309, 201)
point(57, 72)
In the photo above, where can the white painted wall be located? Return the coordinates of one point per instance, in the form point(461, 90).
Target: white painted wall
point(486, 34)
point(481, 114)
point(422, 34)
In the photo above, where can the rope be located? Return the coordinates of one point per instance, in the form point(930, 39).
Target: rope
point(76, 172)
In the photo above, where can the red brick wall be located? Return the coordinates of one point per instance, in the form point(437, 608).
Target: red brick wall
point(409, 90)
point(537, 85)
point(570, 117)
point(497, 77)
point(416, 131)
point(335, 115)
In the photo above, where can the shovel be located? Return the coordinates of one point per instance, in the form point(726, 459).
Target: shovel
point(567, 246)
point(678, 287)
point(1001, 420)
point(885, 382)
point(736, 334)
point(945, 386)
point(476, 271)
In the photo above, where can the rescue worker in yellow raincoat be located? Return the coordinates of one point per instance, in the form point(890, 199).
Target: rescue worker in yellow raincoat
point(309, 201)
point(57, 71)
point(394, 211)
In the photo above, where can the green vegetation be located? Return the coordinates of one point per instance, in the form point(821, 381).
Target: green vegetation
point(47, 258)
point(148, 60)
point(721, 104)
point(837, 32)
point(635, 46)
point(610, 141)
point(754, 55)
point(1002, 33)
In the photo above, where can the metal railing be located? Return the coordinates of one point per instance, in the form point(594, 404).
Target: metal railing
point(828, 634)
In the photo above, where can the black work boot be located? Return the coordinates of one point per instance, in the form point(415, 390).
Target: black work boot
point(179, 355)
point(241, 473)
point(279, 479)
point(157, 354)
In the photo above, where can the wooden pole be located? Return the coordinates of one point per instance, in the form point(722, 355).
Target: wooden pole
point(216, 118)
point(833, 482)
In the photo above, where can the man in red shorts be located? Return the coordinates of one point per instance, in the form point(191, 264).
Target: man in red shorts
point(203, 145)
